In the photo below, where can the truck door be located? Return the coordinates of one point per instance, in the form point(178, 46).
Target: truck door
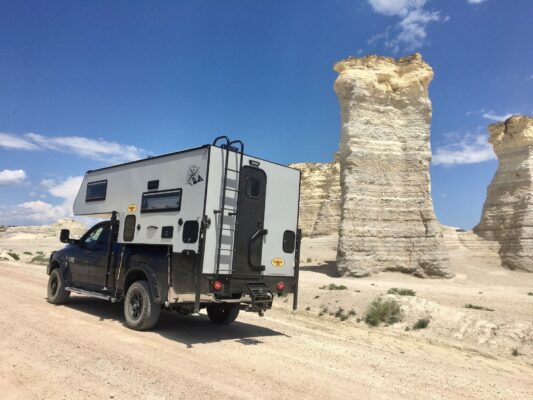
point(250, 224)
point(98, 258)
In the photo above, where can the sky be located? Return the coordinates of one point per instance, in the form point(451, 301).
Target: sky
point(86, 84)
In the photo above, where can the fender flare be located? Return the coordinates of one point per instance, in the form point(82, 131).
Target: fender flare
point(150, 274)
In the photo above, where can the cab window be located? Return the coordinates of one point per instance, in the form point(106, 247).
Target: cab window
point(98, 236)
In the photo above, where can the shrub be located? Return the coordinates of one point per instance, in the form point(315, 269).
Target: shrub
point(332, 286)
point(515, 352)
point(28, 253)
point(307, 308)
point(13, 255)
point(401, 291)
point(530, 293)
point(40, 252)
point(39, 259)
point(475, 307)
point(422, 323)
point(386, 311)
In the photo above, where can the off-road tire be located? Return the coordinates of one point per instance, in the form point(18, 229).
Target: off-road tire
point(222, 314)
point(140, 310)
point(56, 293)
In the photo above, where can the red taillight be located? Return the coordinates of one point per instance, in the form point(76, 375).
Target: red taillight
point(217, 285)
point(280, 286)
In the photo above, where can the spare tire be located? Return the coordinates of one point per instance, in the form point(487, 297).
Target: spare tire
point(222, 313)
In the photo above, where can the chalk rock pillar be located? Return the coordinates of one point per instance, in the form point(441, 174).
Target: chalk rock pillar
point(387, 217)
point(508, 211)
point(320, 198)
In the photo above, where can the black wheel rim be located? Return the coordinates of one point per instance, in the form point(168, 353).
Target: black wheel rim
point(136, 305)
point(54, 284)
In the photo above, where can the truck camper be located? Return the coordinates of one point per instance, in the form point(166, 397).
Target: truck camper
point(209, 227)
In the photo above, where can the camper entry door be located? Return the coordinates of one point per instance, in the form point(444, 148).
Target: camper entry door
point(251, 219)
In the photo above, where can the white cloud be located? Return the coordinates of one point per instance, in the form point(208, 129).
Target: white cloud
point(475, 1)
point(94, 149)
point(41, 212)
point(529, 78)
point(494, 117)
point(12, 177)
point(10, 141)
point(470, 148)
point(411, 32)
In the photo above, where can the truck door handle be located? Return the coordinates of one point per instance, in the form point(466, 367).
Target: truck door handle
point(259, 234)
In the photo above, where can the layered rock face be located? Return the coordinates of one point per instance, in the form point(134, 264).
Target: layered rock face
point(388, 221)
point(320, 198)
point(508, 210)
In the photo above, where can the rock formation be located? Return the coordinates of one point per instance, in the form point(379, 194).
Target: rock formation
point(320, 198)
point(388, 222)
point(508, 211)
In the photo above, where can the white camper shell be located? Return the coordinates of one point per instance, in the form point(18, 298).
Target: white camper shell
point(236, 213)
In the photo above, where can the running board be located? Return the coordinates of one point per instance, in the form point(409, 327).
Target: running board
point(91, 294)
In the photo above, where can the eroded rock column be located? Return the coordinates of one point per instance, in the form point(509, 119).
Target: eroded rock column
point(508, 211)
point(387, 222)
point(320, 198)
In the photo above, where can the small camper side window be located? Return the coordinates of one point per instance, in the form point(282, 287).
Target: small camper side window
point(164, 200)
point(289, 239)
point(96, 191)
point(129, 228)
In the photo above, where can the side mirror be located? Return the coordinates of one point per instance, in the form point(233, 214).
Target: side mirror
point(64, 236)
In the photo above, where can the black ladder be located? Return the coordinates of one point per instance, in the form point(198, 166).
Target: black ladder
point(229, 146)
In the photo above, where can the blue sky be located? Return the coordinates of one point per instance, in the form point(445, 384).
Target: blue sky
point(90, 83)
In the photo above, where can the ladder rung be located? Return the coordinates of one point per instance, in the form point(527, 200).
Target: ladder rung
point(233, 190)
point(232, 250)
point(233, 170)
point(229, 229)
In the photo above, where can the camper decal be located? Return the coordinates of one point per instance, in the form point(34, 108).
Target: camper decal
point(193, 175)
point(132, 208)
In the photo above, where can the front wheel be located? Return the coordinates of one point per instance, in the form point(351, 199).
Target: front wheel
point(140, 310)
point(222, 314)
point(56, 293)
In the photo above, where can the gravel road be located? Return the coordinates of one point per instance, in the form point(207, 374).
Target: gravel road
point(83, 350)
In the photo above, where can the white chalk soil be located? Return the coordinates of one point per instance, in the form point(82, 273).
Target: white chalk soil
point(83, 349)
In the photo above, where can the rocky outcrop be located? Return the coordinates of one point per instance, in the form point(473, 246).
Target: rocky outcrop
point(320, 196)
point(388, 221)
point(508, 210)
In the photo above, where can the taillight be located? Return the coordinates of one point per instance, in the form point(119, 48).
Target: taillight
point(280, 287)
point(216, 285)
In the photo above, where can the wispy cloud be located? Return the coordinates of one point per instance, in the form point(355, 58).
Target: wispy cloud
point(475, 1)
point(12, 176)
point(10, 141)
point(42, 212)
point(95, 149)
point(494, 117)
point(490, 115)
point(468, 148)
point(410, 33)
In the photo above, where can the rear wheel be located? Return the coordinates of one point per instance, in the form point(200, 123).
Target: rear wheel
point(140, 310)
point(56, 292)
point(222, 314)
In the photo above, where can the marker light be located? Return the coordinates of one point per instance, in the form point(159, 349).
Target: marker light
point(280, 286)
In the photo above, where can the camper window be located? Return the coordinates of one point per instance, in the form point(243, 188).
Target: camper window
point(253, 187)
point(96, 191)
point(165, 200)
point(190, 231)
point(289, 238)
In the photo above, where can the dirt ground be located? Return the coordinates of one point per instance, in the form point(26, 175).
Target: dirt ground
point(83, 350)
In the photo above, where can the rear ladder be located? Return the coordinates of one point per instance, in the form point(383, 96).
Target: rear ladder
point(229, 147)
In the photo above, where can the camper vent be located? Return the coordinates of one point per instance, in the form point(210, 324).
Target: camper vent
point(153, 185)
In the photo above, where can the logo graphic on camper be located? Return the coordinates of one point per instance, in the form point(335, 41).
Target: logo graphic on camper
point(193, 175)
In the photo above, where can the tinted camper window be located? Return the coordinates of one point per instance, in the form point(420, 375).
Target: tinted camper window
point(165, 200)
point(96, 191)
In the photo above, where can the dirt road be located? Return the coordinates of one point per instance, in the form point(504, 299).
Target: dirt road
point(83, 350)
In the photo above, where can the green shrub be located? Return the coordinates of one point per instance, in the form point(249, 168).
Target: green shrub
point(39, 259)
point(40, 252)
point(386, 311)
point(28, 253)
point(14, 256)
point(401, 291)
point(515, 352)
point(332, 286)
point(422, 323)
point(475, 307)
point(530, 293)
